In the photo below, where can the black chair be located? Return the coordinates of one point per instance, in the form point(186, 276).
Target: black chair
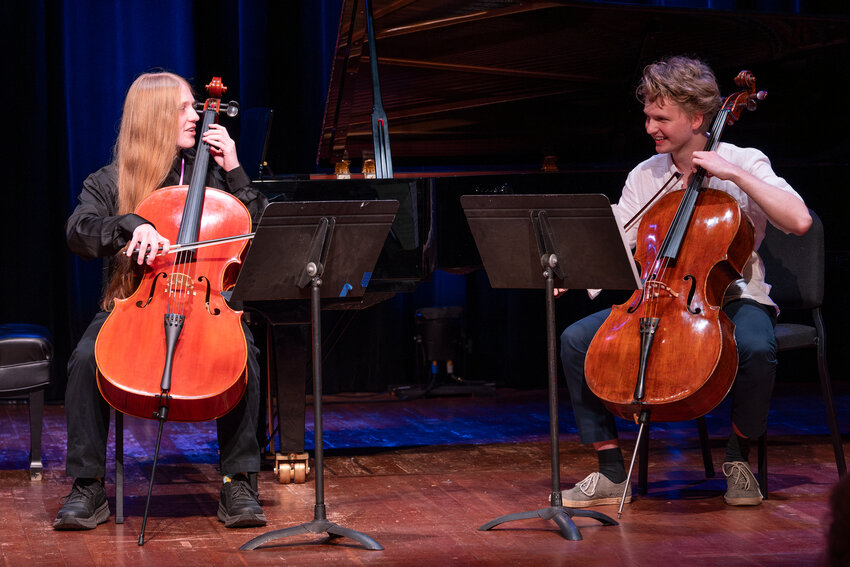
point(26, 355)
point(794, 266)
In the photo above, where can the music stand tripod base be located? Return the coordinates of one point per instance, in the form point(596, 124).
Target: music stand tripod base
point(561, 515)
point(320, 524)
point(314, 527)
point(574, 239)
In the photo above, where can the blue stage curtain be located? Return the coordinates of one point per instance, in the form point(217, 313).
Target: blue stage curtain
point(105, 46)
point(69, 65)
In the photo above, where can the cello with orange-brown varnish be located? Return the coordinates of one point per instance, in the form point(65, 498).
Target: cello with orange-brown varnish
point(691, 245)
point(208, 371)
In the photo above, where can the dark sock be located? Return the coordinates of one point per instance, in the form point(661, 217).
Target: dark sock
point(611, 464)
point(737, 449)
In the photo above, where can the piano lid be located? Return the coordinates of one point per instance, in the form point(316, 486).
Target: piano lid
point(510, 81)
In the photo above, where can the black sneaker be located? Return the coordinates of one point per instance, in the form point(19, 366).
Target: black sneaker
point(85, 506)
point(238, 506)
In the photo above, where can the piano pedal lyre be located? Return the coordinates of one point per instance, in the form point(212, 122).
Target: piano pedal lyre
point(291, 468)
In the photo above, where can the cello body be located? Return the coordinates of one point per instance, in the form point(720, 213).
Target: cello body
point(693, 359)
point(209, 363)
point(669, 353)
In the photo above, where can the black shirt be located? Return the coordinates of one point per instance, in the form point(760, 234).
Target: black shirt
point(95, 230)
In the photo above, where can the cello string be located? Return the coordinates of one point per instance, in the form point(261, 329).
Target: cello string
point(184, 287)
point(170, 288)
point(178, 259)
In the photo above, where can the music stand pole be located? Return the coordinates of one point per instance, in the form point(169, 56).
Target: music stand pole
point(556, 512)
point(314, 270)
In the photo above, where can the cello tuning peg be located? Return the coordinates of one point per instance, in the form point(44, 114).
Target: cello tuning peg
point(754, 99)
point(197, 105)
point(232, 108)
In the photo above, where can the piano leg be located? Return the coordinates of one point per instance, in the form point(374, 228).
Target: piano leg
point(292, 364)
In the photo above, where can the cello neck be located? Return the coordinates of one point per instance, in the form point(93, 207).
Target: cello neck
point(673, 240)
point(190, 224)
point(191, 221)
point(711, 144)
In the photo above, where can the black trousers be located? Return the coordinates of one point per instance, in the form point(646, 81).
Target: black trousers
point(87, 415)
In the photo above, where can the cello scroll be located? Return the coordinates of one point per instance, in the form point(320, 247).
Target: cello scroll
point(747, 98)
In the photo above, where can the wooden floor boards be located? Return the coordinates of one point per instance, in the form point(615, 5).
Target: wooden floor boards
point(424, 503)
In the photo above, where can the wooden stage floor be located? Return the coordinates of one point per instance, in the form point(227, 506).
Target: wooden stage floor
point(423, 501)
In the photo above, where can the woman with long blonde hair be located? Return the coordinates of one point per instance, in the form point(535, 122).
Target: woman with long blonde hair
point(155, 148)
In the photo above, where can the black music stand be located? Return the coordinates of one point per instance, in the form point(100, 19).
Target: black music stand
point(330, 247)
point(549, 241)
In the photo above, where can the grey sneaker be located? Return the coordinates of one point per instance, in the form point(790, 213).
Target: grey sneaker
point(742, 488)
point(595, 490)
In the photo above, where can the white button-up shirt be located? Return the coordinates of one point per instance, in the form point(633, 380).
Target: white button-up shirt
point(650, 175)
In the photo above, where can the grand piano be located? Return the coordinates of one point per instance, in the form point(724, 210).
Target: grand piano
point(510, 96)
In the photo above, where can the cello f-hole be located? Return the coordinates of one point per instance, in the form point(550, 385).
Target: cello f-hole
point(637, 303)
point(691, 293)
point(139, 303)
point(215, 311)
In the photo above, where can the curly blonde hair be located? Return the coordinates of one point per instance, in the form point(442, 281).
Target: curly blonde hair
point(688, 82)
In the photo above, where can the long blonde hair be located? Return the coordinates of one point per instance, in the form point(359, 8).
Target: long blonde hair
point(143, 154)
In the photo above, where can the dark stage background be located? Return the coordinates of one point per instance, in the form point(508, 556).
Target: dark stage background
point(68, 65)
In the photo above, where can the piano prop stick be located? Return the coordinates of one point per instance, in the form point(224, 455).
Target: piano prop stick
point(380, 128)
point(311, 250)
point(549, 241)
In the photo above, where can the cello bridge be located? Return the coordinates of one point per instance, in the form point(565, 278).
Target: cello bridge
point(179, 283)
point(654, 289)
